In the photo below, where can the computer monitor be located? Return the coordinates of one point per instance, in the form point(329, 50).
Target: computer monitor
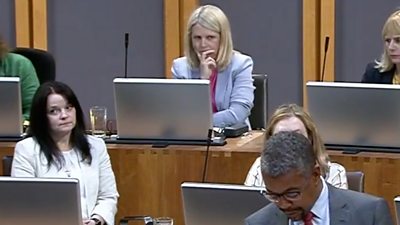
point(10, 108)
point(162, 110)
point(222, 204)
point(356, 115)
point(39, 201)
point(397, 208)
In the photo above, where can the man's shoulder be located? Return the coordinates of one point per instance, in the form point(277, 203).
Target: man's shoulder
point(263, 215)
point(357, 199)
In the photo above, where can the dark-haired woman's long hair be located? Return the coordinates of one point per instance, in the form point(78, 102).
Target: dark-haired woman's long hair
point(39, 127)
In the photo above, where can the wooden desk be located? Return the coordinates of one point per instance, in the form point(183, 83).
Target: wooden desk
point(148, 179)
point(381, 172)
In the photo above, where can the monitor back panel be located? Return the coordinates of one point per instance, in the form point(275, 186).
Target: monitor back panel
point(10, 107)
point(397, 208)
point(162, 109)
point(220, 204)
point(38, 201)
point(355, 114)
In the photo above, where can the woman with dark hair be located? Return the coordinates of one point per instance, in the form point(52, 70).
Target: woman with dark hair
point(14, 65)
point(57, 146)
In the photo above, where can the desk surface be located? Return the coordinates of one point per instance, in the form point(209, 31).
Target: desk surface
point(149, 179)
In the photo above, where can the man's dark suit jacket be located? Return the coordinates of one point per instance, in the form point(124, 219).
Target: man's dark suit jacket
point(345, 208)
point(372, 75)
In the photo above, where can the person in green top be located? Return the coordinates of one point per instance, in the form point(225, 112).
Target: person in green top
point(14, 65)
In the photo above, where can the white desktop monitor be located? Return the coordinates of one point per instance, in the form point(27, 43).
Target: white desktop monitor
point(220, 204)
point(397, 208)
point(365, 116)
point(162, 109)
point(39, 201)
point(10, 107)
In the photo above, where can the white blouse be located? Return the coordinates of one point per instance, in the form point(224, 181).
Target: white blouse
point(99, 193)
point(336, 175)
point(72, 169)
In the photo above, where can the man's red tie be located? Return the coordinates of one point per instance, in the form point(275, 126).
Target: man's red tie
point(308, 218)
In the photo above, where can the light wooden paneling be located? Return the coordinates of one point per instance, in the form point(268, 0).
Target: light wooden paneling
point(328, 30)
point(176, 13)
point(22, 23)
point(31, 23)
point(377, 167)
point(149, 179)
point(39, 24)
point(171, 33)
point(186, 8)
point(311, 46)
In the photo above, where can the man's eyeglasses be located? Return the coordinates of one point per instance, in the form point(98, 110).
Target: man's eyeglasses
point(291, 196)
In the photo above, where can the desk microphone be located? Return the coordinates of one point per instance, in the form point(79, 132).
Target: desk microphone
point(126, 53)
point(209, 136)
point(325, 52)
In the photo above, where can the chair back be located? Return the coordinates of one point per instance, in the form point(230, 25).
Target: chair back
point(7, 162)
point(258, 116)
point(355, 181)
point(43, 62)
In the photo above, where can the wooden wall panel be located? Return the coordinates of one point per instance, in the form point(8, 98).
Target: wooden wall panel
point(186, 8)
point(171, 33)
point(311, 40)
point(149, 179)
point(176, 14)
point(328, 30)
point(31, 23)
point(22, 23)
point(39, 24)
point(318, 23)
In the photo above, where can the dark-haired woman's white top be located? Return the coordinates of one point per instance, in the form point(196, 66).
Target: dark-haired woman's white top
point(99, 193)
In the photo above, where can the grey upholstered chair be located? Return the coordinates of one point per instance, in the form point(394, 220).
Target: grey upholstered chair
point(258, 116)
point(43, 61)
point(7, 162)
point(355, 181)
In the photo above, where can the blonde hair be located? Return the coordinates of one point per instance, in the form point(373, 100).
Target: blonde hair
point(292, 110)
point(390, 28)
point(214, 19)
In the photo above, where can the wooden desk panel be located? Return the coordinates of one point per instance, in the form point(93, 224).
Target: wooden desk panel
point(380, 169)
point(148, 179)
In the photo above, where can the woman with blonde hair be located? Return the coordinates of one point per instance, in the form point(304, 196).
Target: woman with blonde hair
point(209, 55)
point(291, 117)
point(387, 69)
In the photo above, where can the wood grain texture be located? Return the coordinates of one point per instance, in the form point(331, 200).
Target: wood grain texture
point(328, 30)
point(39, 24)
point(311, 43)
point(149, 179)
point(22, 23)
point(171, 34)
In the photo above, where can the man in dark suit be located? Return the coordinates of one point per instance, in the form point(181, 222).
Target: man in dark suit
point(300, 196)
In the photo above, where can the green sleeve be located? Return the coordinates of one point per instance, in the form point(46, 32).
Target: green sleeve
point(29, 85)
point(15, 65)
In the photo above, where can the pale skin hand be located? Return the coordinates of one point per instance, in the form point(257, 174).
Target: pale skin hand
point(88, 222)
point(207, 63)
